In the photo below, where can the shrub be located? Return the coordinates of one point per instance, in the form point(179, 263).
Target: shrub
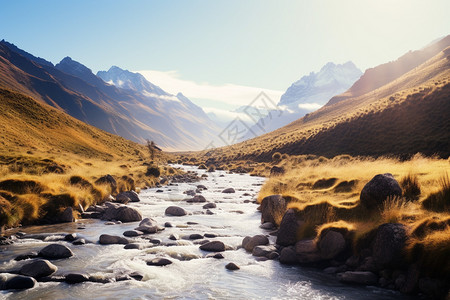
point(410, 186)
point(153, 171)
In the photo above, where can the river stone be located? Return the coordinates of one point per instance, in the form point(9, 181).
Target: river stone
point(121, 213)
point(55, 251)
point(79, 242)
point(133, 233)
point(134, 246)
point(129, 196)
point(214, 246)
point(287, 233)
point(331, 244)
point(197, 199)
point(201, 186)
point(159, 261)
point(195, 236)
point(74, 278)
point(263, 250)
point(378, 189)
point(70, 237)
point(175, 211)
point(67, 215)
point(272, 209)
point(215, 255)
point(228, 191)
point(128, 214)
point(365, 278)
point(38, 268)
point(389, 244)
point(232, 266)
point(106, 239)
point(147, 229)
point(19, 282)
point(209, 205)
point(33, 254)
point(257, 240)
point(174, 237)
point(148, 222)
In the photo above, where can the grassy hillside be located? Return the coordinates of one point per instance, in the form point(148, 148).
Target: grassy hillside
point(403, 117)
point(375, 78)
point(50, 161)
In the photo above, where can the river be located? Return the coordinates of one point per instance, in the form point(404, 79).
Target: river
point(191, 275)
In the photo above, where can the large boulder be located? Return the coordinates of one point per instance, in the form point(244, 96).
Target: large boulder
point(108, 180)
point(365, 278)
point(331, 244)
point(214, 246)
point(288, 256)
point(388, 245)
point(67, 215)
point(378, 189)
point(306, 252)
point(287, 233)
point(106, 239)
point(55, 251)
point(251, 242)
point(129, 196)
point(38, 268)
point(175, 211)
point(273, 209)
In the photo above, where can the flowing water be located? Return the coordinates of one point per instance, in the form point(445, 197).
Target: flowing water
point(191, 276)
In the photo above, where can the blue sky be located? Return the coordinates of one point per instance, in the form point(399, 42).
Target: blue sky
point(235, 48)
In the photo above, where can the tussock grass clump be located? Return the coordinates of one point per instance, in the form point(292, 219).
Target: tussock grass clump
point(211, 168)
point(21, 186)
point(396, 210)
point(202, 167)
point(411, 187)
point(153, 171)
point(433, 251)
point(439, 201)
point(429, 225)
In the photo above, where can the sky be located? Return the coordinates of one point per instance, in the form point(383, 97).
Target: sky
point(222, 54)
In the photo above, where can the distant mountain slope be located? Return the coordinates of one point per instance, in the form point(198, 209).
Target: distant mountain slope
point(376, 77)
point(308, 94)
point(406, 116)
point(73, 88)
point(28, 124)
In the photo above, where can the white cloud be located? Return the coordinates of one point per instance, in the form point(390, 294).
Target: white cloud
point(226, 115)
point(163, 97)
point(309, 106)
point(231, 94)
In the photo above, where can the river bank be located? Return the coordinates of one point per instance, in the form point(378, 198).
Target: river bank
point(192, 274)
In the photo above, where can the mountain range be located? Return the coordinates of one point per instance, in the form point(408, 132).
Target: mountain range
point(307, 94)
point(137, 110)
